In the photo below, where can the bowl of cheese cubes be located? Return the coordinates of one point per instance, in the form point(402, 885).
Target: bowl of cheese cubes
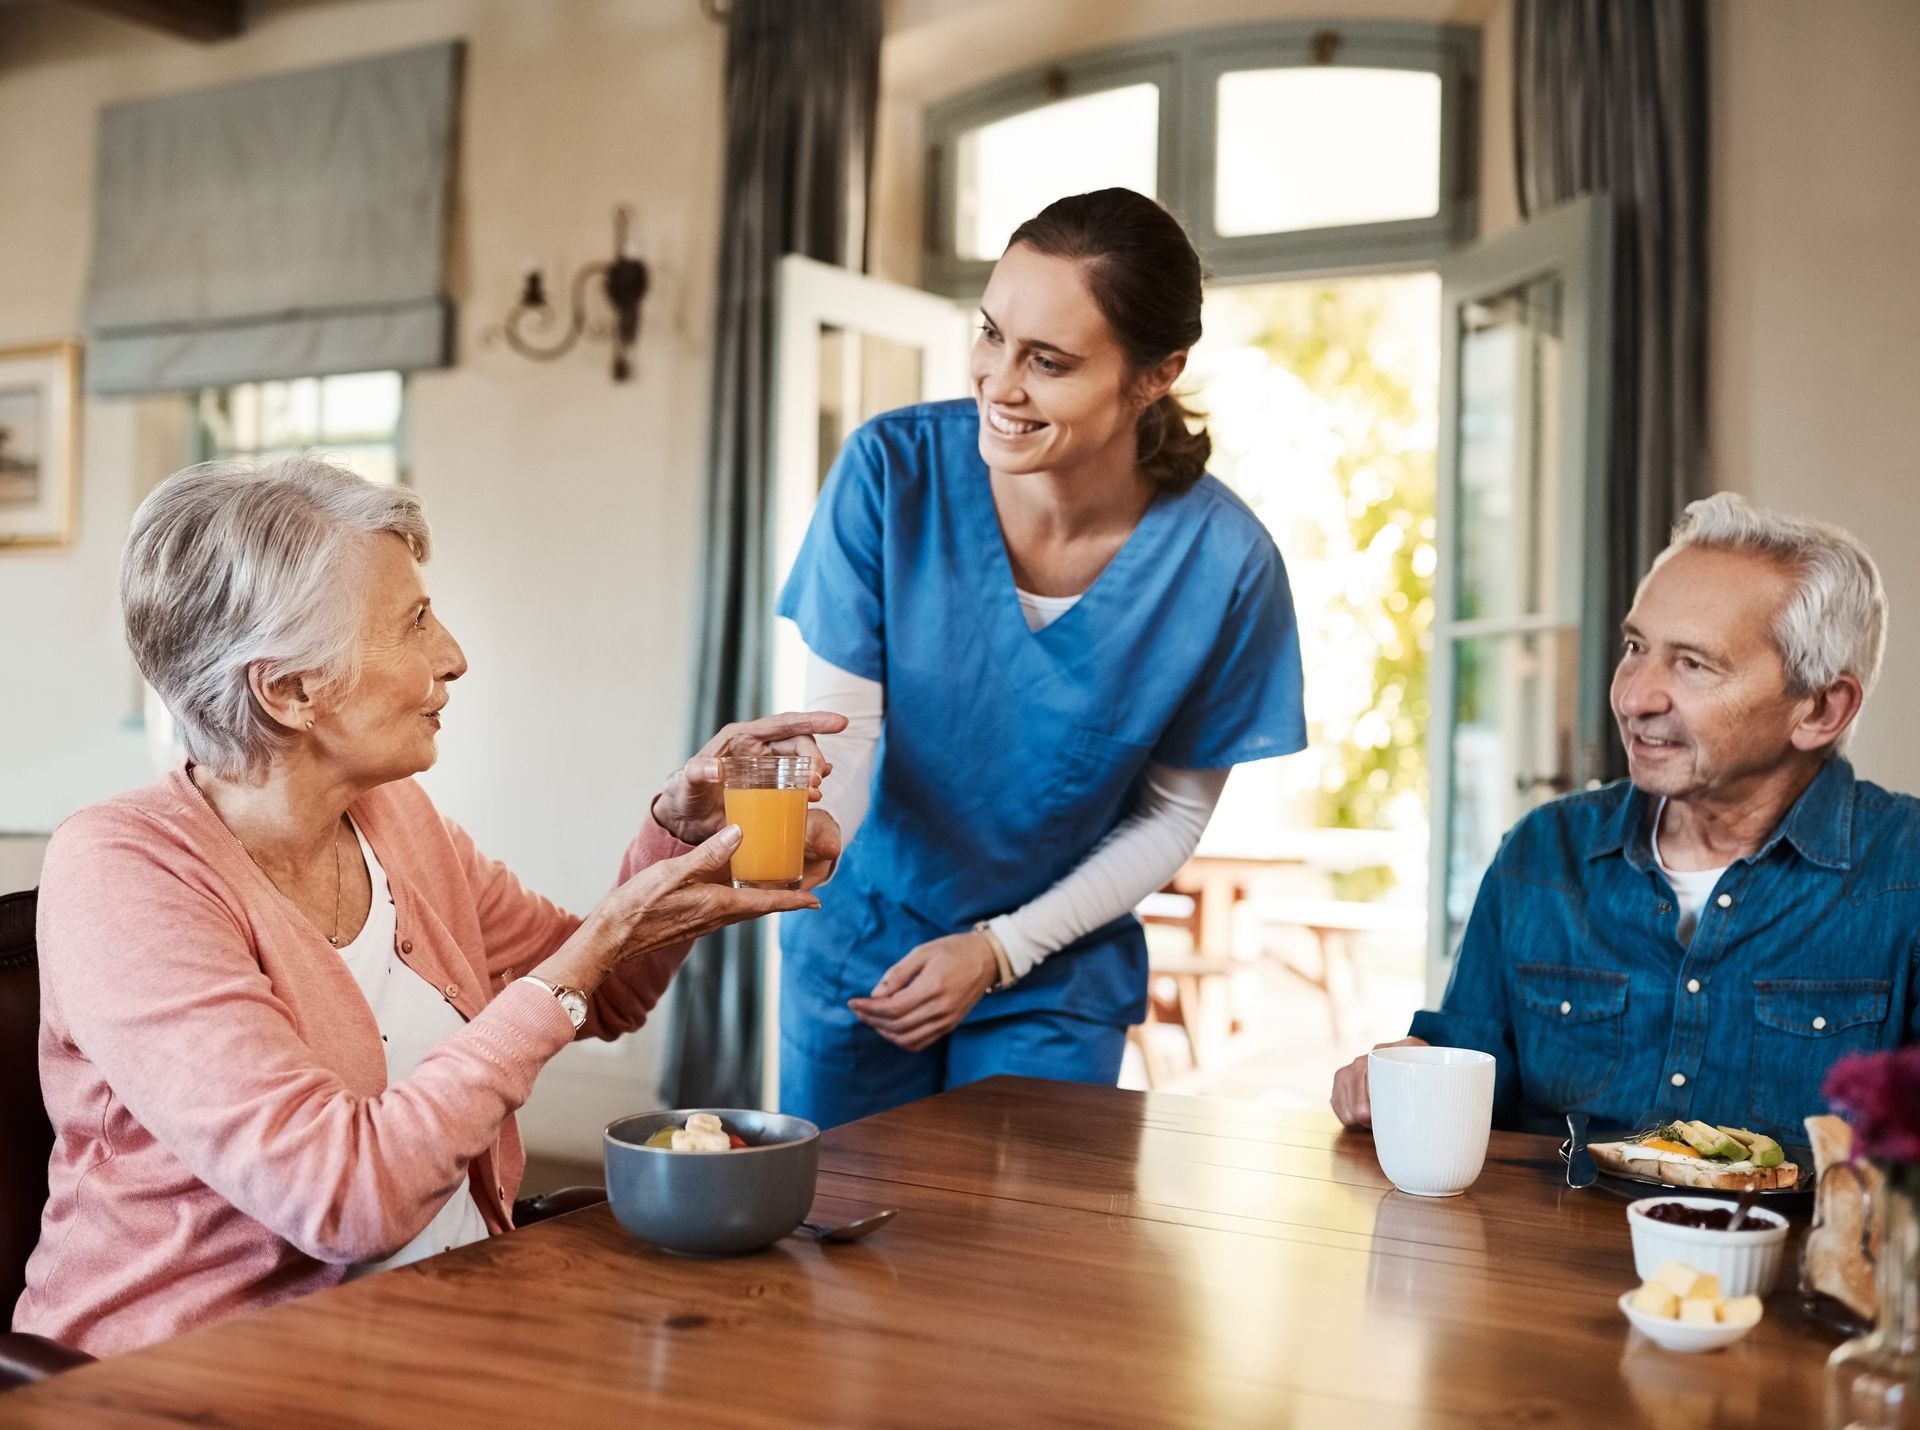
point(1680, 1308)
point(711, 1182)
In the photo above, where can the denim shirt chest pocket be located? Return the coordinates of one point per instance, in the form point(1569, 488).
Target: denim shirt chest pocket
point(1569, 1024)
point(1802, 1027)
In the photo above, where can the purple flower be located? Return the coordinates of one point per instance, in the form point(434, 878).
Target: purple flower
point(1880, 1094)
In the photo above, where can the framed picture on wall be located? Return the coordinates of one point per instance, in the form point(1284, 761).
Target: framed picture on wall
point(39, 443)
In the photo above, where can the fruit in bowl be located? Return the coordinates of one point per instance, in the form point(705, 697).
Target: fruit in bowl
point(706, 1197)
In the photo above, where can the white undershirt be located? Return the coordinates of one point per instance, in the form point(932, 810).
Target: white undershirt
point(412, 1018)
point(1691, 887)
point(1136, 859)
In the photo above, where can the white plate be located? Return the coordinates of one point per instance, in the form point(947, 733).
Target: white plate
point(1678, 1335)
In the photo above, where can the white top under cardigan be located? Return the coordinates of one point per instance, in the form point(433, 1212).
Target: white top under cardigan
point(412, 1018)
point(1136, 859)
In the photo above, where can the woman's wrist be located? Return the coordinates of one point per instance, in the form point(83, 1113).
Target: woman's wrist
point(584, 960)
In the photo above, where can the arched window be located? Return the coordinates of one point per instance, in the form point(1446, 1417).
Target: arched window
point(1286, 149)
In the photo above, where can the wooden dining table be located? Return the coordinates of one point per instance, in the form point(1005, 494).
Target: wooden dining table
point(1063, 1255)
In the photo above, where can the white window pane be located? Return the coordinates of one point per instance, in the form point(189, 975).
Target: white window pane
point(1324, 147)
point(359, 404)
point(290, 412)
point(1009, 170)
point(376, 461)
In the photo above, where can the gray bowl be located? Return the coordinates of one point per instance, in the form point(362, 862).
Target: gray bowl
point(712, 1203)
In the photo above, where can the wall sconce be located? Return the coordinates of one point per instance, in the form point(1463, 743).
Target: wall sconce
point(623, 283)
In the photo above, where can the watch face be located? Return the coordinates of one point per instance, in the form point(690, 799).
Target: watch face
point(576, 1006)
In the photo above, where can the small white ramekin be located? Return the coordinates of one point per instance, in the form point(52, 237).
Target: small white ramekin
point(1746, 1261)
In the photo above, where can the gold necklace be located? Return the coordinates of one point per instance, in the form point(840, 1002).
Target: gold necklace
point(333, 939)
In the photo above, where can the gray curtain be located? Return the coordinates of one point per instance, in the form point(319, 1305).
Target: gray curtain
point(803, 80)
point(285, 227)
point(1610, 96)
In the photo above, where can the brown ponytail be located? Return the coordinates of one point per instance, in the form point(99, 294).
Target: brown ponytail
point(1145, 278)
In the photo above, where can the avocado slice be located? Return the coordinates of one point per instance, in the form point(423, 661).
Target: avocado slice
point(1712, 1142)
point(1766, 1152)
point(1762, 1150)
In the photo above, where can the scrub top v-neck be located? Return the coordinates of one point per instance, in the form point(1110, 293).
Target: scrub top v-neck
point(1008, 753)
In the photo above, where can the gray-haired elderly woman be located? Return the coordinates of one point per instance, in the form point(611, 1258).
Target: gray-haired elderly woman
point(288, 1009)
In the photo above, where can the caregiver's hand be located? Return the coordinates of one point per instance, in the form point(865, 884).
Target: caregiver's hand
point(693, 804)
point(823, 848)
point(925, 995)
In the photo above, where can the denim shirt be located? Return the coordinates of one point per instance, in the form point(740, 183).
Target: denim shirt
point(1572, 974)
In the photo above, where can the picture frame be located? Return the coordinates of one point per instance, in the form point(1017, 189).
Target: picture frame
point(39, 444)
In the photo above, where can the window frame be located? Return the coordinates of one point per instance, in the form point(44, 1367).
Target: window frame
point(206, 449)
point(1187, 68)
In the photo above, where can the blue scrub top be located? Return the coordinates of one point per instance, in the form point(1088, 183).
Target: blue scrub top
point(1007, 754)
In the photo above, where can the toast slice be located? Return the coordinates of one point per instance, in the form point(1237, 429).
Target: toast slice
point(1694, 1171)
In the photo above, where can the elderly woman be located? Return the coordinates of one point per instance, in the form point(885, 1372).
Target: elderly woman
point(288, 1008)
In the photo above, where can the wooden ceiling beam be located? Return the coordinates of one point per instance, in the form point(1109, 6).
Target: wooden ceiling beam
point(201, 20)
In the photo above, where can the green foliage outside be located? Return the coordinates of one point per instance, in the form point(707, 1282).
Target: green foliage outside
point(1350, 344)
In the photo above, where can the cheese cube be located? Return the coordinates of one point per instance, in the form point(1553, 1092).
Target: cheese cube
point(1679, 1279)
point(704, 1122)
point(1707, 1288)
point(1696, 1312)
point(1740, 1311)
point(1653, 1299)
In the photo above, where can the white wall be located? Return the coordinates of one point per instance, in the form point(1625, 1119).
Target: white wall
point(1815, 296)
point(566, 508)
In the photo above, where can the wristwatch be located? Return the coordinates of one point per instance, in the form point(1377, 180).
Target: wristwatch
point(572, 1000)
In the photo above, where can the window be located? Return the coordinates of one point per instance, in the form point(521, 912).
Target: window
point(356, 417)
point(1286, 149)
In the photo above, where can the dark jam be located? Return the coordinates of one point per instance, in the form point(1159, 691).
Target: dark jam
point(1706, 1218)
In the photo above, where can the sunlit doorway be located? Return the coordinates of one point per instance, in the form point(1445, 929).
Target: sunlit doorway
point(1297, 934)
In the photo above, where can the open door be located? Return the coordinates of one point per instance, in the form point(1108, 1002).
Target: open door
point(850, 347)
point(1520, 659)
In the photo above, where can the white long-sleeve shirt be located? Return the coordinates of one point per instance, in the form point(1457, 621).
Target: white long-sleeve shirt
point(1137, 857)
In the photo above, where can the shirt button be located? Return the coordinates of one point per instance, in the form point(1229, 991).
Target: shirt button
point(1725, 901)
point(453, 990)
point(1678, 1079)
point(406, 945)
point(1566, 1007)
point(1693, 985)
point(1819, 1023)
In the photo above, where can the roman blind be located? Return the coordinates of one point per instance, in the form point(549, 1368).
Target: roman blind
point(289, 226)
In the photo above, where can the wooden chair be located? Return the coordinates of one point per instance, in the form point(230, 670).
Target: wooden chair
point(26, 1142)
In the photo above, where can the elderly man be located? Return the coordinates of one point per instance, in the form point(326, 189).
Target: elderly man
point(1705, 939)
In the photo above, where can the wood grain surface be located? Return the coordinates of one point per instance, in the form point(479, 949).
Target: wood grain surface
point(1064, 1255)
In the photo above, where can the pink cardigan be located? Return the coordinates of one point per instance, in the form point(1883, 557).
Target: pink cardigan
point(225, 1137)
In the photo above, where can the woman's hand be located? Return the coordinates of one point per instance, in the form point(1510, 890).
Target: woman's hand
point(668, 903)
point(924, 996)
point(693, 804)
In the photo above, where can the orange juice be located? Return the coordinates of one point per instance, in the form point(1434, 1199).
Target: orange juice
point(773, 829)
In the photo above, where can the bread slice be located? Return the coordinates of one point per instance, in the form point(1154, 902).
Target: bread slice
point(1695, 1171)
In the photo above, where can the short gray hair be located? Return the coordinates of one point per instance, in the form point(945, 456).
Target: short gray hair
point(1835, 622)
point(233, 563)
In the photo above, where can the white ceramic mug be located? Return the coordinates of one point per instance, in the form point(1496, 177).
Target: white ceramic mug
point(1432, 1111)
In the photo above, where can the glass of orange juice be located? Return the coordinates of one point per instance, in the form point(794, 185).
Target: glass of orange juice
point(767, 797)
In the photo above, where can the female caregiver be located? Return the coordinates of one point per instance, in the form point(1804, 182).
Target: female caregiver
point(1057, 633)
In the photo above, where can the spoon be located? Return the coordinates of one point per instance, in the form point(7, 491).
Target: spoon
point(851, 1231)
point(1742, 1207)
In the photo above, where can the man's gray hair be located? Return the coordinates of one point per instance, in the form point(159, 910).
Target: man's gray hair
point(1835, 622)
point(233, 563)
